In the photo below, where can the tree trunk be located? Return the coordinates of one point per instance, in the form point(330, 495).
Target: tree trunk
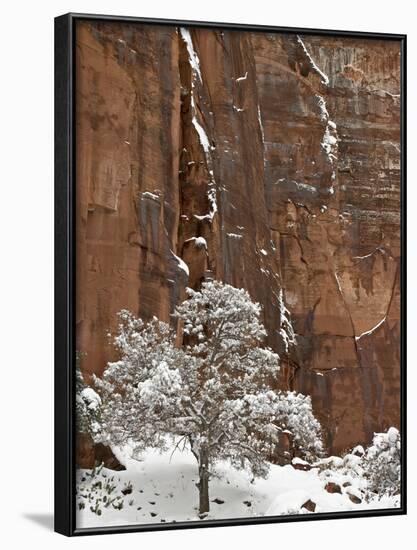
point(203, 485)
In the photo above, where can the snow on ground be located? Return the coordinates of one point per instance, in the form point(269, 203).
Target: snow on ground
point(164, 490)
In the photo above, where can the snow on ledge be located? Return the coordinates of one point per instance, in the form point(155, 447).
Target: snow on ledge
point(324, 77)
point(202, 135)
point(212, 198)
point(373, 329)
point(378, 249)
point(205, 144)
point(324, 113)
point(242, 77)
point(261, 127)
point(213, 202)
point(287, 330)
point(260, 124)
point(330, 137)
point(181, 264)
point(199, 242)
point(329, 141)
point(149, 195)
point(339, 286)
point(194, 60)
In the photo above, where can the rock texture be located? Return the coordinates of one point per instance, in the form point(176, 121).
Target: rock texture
point(90, 454)
point(269, 161)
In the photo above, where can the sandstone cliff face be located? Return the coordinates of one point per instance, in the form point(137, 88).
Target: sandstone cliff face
point(270, 162)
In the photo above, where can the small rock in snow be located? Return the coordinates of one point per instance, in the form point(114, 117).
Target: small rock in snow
point(299, 464)
point(353, 498)
point(358, 450)
point(309, 505)
point(332, 487)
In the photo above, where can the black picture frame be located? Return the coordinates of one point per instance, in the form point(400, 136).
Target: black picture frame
point(65, 275)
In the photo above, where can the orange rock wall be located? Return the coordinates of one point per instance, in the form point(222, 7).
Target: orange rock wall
point(282, 153)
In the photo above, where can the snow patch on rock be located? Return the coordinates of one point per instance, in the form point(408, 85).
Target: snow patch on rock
point(330, 137)
point(149, 195)
point(205, 144)
point(202, 135)
point(199, 242)
point(242, 77)
point(373, 329)
point(324, 77)
point(181, 264)
point(286, 330)
point(193, 57)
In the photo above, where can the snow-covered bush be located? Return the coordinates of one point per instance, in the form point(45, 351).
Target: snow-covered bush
point(87, 406)
point(216, 392)
point(382, 463)
point(297, 419)
point(375, 471)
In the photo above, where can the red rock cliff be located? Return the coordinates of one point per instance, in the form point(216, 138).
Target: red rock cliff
point(268, 161)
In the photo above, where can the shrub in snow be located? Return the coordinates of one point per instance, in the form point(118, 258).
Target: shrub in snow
point(96, 491)
point(215, 392)
point(375, 472)
point(87, 405)
point(382, 464)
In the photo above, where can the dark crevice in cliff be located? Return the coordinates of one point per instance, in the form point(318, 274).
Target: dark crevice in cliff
point(197, 188)
point(184, 71)
point(357, 351)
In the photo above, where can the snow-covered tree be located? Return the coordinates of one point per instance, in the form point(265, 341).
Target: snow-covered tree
point(215, 392)
point(382, 463)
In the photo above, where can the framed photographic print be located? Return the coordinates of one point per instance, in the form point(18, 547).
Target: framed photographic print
point(230, 274)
